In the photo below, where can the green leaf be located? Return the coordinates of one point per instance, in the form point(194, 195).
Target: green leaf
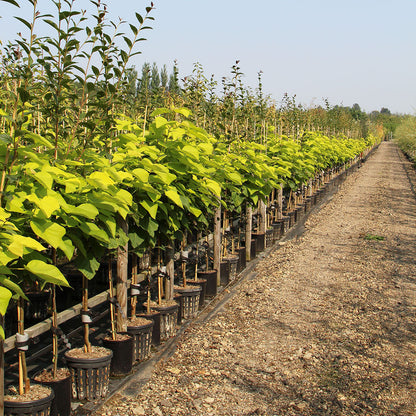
point(173, 195)
point(191, 151)
point(135, 240)
point(165, 177)
point(47, 272)
point(124, 196)
point(48, 231)
point(19, 243)
point(213, 186)
point(184, 111)
point(92, 230)
point(67, 247)
point(5, 296)
point(38, 140)
point(48, 205)
point(110, 223)
point(87, 266)
point(142, 174)
point(150, 208)
point(12, 2)
point(14, 287)
point(100, 180)
point(44, 178)
point(84, 210)
point(160, 122)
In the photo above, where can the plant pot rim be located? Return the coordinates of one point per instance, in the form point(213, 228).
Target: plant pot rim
point(188, 290)
point(135, 328)
point(161, 308)
point(199, 281)
point(90, 359)
point(55, 380)
point(37, 402)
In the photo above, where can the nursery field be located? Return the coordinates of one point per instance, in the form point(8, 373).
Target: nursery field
point(324, 324)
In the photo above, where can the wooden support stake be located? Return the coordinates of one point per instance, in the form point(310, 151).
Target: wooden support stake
point(170, 271)
point(111, 293)
point(262, 212)
point(122, 278)
point(217, 241)
point(249, 224)
point(87, 345)
point(133, 300)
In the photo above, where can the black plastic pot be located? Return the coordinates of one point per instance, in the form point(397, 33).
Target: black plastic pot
point(277, 230)
point(142, 340)
point(241, 259)
point(211, 277)
point(189, 301)
point(40, 407)
point(61, 403)
point(168, 319)
point(299, 213)
point(232, 261)
point(202, 283)
point(260, 241)
point(89, 376)
point(155, 317)
point(253, 249)
point(122, 361)
point(308, 204)
point(269, 237)
point(224, 273)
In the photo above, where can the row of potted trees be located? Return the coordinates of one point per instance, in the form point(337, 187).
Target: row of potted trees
point(152, 189)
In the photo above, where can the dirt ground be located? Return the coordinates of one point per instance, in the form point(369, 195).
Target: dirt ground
point(326, 326)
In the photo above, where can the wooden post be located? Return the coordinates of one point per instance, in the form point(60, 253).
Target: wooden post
point(217, 241)
point(133, 300)
point(249, 223)
point(170, 271)
point(262, 212)
point(280, 203)
point(122, 277)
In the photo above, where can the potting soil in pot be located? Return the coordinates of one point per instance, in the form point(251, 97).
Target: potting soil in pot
point(36, 402)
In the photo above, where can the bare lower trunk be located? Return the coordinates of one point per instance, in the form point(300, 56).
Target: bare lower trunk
point(122, 277)
point(217, 241)
point(249, 223)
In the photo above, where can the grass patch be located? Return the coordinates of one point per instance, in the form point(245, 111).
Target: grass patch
point(374, 237)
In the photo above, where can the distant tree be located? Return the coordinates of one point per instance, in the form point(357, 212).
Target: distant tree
point(143, 84)
point(385, 111)
point(154, 79)
point(174, 80)
point(164, 77)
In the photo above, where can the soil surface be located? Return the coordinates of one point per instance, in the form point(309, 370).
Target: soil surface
point(326, 326)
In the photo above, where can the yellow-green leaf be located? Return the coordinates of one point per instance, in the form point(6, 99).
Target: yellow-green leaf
point(173, 195)
point(47, 272)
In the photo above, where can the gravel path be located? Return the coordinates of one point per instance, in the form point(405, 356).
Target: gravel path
point(326, 327)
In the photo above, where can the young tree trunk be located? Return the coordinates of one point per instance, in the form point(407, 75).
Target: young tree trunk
point(280, 202)
point(122, 277)
point(87, 345)
point(249, 223)
point(170, 271)
point(263, 218)
point(217, 241)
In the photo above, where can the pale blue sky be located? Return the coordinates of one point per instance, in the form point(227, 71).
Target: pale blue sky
point(355, 51)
